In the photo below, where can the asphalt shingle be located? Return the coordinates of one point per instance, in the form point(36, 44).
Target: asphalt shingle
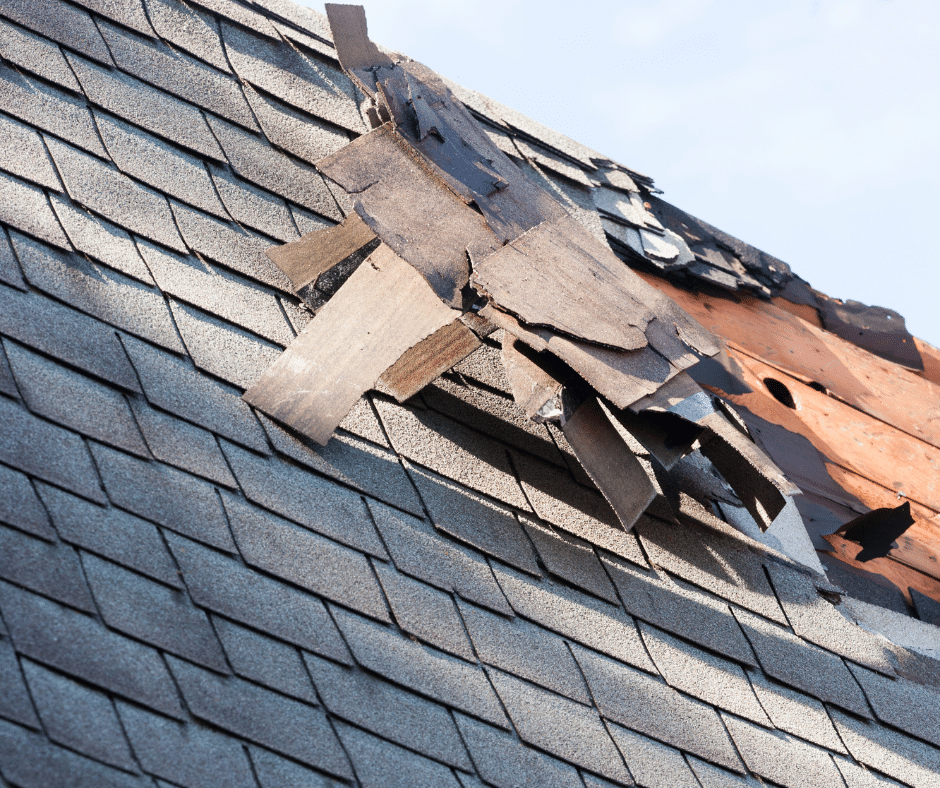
point(7, 382)
point(289, 727)
point(902, 704)
point(15, 703)
point(388, 711)
point(19, 505)
point(420, 668)
point(225, 586)
point(10, 272)
point(27, 208)
point(129, 13)
point(714, 777)
point(856, 776)
point(271, 770)
point(190, 29)
point(572, 560)
point(653, 765)
point(253, 207)
point(78, 717)
point(61, 22)
point(103, 658)
point(165, 496)
point(25, 155)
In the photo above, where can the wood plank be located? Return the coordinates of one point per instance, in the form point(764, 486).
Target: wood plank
point(356, 53)
point(305, 259)
point(384, 309)
point(532, 385)
point(609, 462)
point(429, 359)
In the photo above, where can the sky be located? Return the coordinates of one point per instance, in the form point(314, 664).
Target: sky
point(807, 128)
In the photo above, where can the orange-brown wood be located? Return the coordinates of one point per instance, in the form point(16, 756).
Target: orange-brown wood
point(931, 358)
point(805, 312)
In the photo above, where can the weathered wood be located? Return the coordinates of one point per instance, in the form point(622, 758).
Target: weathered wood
point(356, 53)
point(671, 394)
point(305, 259)
point(429, 359)
point(532, 386)
point(384, 309)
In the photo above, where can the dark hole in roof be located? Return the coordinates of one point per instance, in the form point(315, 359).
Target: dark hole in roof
point(780, 392)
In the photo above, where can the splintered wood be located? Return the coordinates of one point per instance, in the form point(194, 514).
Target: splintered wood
point(532, 386)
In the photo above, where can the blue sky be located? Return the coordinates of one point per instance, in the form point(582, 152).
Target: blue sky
point(808, 128)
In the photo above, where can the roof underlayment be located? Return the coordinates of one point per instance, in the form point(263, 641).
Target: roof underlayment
point(449, 592)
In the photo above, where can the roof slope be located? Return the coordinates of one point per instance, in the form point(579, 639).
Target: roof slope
point(193, 596)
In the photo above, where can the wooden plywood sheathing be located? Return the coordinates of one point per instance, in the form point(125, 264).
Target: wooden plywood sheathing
point(877, 530)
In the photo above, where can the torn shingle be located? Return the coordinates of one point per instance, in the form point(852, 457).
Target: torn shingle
point(20, 507)
point(190, 29)
point(61, 22)
point(27, 208)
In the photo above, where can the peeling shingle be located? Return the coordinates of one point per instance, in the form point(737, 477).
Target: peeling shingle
point(15, 703)
point(301, 496)
point(9, 268)
point(73, 400)
point(252, 207)
point(23, 154)
point(61, 22)
point(389, 711)
point(286, 726)
point(575, 615)
point(420, 668)
point(573, 562)
point(27, 208)
point(228, 588)
point(192, 30)
point(110, 532)
point(103, 658)
point(19, 505)
point(179, 74)
point(902, 704)
point(256, 161)
point(165, 496)
point(649, 706)
point(653, 764)
point(420, 551)
point(41, 449)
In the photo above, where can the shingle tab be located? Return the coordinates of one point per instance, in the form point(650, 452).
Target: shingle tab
point(902, 704)
point(73, 400)
point(575, 615)
point(254, 207)
point(61, 22)
point(226, 587)
point(25, 155)
point(653, 764)
point(564, 728)
point(419, 550)
point(19, 505)
point(389, 711)
point(714, 777)
point(306, 499)
point(420, 668)
point(103, 658)
point(165, 496)
point(10, 272)
point(27, 208)
point(856, 776)
point(190, 29)
point(129, 13)
point(649, 706)
point(188, 755)
point(525, 650)
point(286, 726)
point(256, 161)
point(41, 449)
point(7, 382)
point(78, 717)
point(576, 563)
point(271, 770)
point(15, 703)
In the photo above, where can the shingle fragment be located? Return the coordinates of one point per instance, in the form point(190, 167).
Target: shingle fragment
point(902, 703)
point(15, 703)
point(61, 22)
point(573, 562)
point(25, 155)
point(190, 29)
point(27, 208)
point(253, 207)
point(652, 764)
point(19, 505)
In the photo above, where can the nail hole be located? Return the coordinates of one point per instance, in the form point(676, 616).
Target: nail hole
point(780, 392)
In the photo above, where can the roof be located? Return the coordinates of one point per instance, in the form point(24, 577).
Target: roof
point(192, 594)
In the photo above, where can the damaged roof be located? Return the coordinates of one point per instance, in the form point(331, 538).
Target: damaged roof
point(726, 577)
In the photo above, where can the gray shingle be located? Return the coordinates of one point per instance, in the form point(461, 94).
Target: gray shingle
point(129, 13)
point(927, 609)
point(61, 22)
point(299, 17)
point(795, 713)
point(27, 208)
point(266, 661)
point(681, 611)
point(301, 496)
point(420, 668)
point(703, 675)
point(9, 268)
point(190, 29)
point(37, 55)
point(153, 613)
point(305, 559)
point(28, 760)
point(259, 715)
point(159, 164)
point(802, 665)
point(7, 382)
point(41, 449)
point(452, 450)
point(256, 161)
point(113, 662)
point(308, 222)
point(388, 711)
point(309, 83)
point(253, 207)
point(106, 191)
point(419, 550)
point(779, 758)
point(74, 400)
point(714, 777)
point(231, 246)
point(653, 764)
point(226, 587)
point(222, 349)
point(575, 615)
point(78, 717)
point(271, 770)
point(99, 239)
point(572, 560)
point(181, 444)
point(816, 620)
point(525, 650)
point(110, 532)
point(179, 74)
point(188, 755)
point(711, 561)
point(564, 728)
point(856, 776)
point(165, 496)
point(902, 704)
point(381, 764)
point(145, 106)
point(49, 569)
point(649, 706)
point(66, 334)
point(19, 505)
point(247, 17)
point(362, 421)
point(24, 154)
point(425, 612)
point(15, 703)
